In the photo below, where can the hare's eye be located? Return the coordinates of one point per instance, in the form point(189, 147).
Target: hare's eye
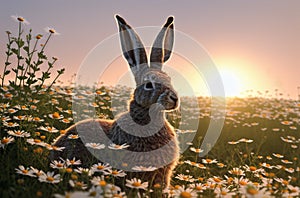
point(148, 86)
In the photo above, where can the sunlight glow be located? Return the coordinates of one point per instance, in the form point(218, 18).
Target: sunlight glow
point(231, 82)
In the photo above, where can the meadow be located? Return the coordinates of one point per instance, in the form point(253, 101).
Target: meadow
point(256, 155)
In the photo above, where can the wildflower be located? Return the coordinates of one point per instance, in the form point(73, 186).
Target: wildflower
point(196, 150)
point(36, 142)
point(285, 161)
point(100, 167)
point(237, 171)
point(286, 122)
point(136, 184)
point(65, 120)
point(36, 172)
point(20, 19)
point(115, 173)
point(54, 148)
point(10, 124)
point(198, 187)
point(84, 171)
point(37, 119)
point(209, 161)
point(57, 164)
point(51, 31)
point(183, 192)
point(24, 171)
point(233, 142)
point(19, 117)
point(6, 141)
point(73, 162)
point(12, 111)
point(49, 178)
point(95, 145)
point(245, 140)
point(56, 115)
point(73, 136)
point(118, 147)
point(18, 133)
point(78, 184)
point(223, 192)
point(143, 168)
point(5, 118)
point(48, 129)
point(278, 155)
point(99, 181)
point(183, 177)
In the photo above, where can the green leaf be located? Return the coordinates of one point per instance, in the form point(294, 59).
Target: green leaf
point(6, 72)
point(14, 50)
point(26, 48)
point(7, 63)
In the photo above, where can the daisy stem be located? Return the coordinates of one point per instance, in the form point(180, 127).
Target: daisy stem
point(18, 53)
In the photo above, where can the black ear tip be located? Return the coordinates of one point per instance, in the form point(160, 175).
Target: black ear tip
point(120, 19)
point(169, 21)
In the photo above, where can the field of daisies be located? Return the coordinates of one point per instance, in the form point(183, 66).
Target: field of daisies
point(256, 155)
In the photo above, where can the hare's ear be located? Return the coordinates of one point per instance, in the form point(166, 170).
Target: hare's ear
point(132, 47)
point(163, 44)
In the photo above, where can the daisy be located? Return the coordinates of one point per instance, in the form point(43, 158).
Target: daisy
point(198, 187)
point(73, 136)
point(115, 173)
point(19, 117)
point(10, 124)
point(66, 120)
point(183, 177)
point(99, 181)
point(118, 147)
point(54, 148)
point(83, 171)
point(50, 178)
point(11, 110)
point(78, 184)
point(6, 141)
point(24, 171)
point(285, 161)
point(143, 168)
point(57, 164)
point(56, 115)
point(237, 171)
point(278, 155)
point(95, 145)
point(183, 192)
point(18, 133)
point(73, 162)
point(20, 19)
point(36, 172)
point(36, 142)
point(100, 167)
point(136, 184)
point(223, 192)
point(51, 31)
point(196, 150)
point(209, 161)
point(49, 129)
point(5, 118)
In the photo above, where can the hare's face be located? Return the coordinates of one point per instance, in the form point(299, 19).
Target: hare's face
point(156, 88)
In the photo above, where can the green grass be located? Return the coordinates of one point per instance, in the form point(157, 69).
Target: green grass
point(257, 152)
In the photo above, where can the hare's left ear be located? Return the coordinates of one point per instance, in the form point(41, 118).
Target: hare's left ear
point(163, 44)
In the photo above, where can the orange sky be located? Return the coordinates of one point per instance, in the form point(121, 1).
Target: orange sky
point(256, 44)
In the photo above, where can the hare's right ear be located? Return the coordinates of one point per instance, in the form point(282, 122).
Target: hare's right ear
point(133, 48)
point(162, 47)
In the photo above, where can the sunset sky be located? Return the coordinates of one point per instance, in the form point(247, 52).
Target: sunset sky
point(254, 44)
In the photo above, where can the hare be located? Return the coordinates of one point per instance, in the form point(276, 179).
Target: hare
point(144, 128)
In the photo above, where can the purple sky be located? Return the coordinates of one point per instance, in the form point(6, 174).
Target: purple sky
point(258, 40)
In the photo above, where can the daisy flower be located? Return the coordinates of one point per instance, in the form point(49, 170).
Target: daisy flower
point(36, 142)
point(183, 192)
point(18, 133)
point(278, 155)
point(36, 172)
point(73, 136)
point(56, 115)
point(136, 184)
point(196, 150)
point(54, 148)
point(73, 162)
point(6, 140)
point(20, 19)
point(237, 171)
point(100, 167)
point(118, 147)
point(49, 177)
point(10, 124)
point(209, 161)
point(143, 168)
point(51, 31)
point(115, 173)
point(12, 111)
point(49, 129)
point(95, 145)
point(24, 171)
point(57, 164)
point(78, 184)
point(86, 171)
point(98, 181)
point(183, 177)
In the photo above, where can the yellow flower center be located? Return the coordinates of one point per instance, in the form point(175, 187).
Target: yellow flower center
point(208, 160)
point(102, 183)
point(55, 115)
point(4, 140)
point(49, 178)
point(243, 183)
point(36, 119)
point(18, 133)
point(136, 184)
point(252, 191)
point(69, 170)
point(37, 140)
point(216, 179)
point(252, 168)
point(223, 193)
point(185, 194)
point(114, 172)
point(100, 167)
point(198, 187)
point(21, 19)
point(10, 124)
point(25, 171)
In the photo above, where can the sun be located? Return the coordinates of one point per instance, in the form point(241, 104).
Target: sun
point(231, 82)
